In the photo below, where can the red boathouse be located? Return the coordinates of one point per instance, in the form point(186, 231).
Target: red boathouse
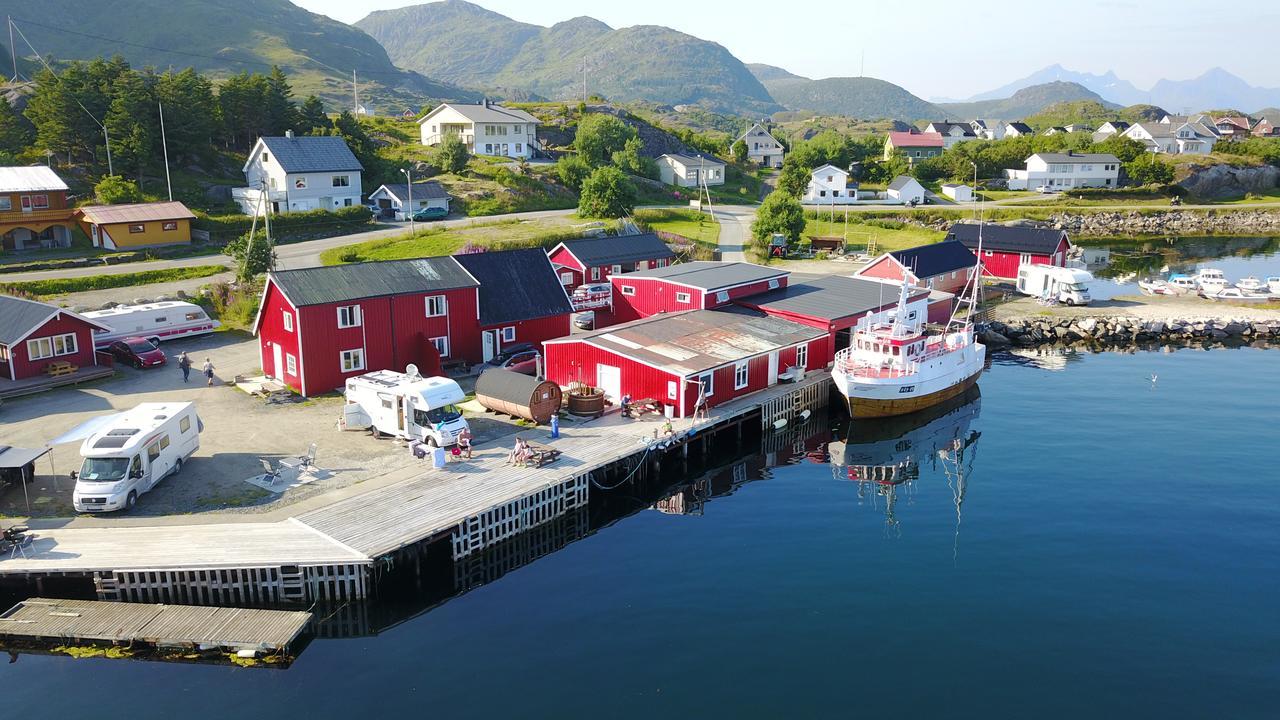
point(594, 260)
point(945, 266)
point(35, 334)
point(1006, 248)
point(700, 285)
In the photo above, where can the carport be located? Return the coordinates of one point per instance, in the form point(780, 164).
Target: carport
point(19, 465)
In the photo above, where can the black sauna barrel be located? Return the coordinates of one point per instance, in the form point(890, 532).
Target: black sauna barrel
point(519, 395)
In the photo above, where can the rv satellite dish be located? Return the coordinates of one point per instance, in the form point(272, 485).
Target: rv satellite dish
point(411, 370)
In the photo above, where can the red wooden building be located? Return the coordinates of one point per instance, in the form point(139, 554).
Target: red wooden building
point(319, 326)
point(1006, 248)
point(946, 266)
point(34, 334)
point(593, 260)
point(700, 285)
point(668, 358)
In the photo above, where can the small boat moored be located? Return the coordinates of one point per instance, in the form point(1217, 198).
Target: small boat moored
point(1239, 296)
point(1210, 280)
point(1182, 284)
point(1156, 287)
point(1252, 284)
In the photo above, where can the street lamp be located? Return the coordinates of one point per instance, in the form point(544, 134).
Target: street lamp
point(409, 177)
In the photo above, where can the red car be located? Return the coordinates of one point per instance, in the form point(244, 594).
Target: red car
point(137, 351)
point(522, 359)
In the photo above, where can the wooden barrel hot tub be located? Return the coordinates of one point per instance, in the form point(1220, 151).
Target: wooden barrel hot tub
point(518, 395)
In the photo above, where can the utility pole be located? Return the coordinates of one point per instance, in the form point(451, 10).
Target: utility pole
point(409, 177)
point(164, 143)
point(355, 94)
point(107, 139)
point(13, 50)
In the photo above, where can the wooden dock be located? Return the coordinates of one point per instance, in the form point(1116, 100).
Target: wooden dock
point(159, 626)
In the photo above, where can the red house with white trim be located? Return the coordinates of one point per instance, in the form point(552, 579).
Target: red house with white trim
point(1006, 248)
point(947, 266)
point(668, 358)
point(35, 334)
point(700, 285)
point(318, 326)
point(593, 260)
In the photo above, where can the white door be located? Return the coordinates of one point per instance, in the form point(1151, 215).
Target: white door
point(610, 381)
point(489, 344)
point(773, 368)
point(277, 357)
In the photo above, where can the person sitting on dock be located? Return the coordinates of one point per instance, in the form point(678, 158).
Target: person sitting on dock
point(667, 429)
point(626, 406)
point(464, 442)
point(520, 454)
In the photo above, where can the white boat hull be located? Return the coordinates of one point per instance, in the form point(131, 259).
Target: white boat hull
point(934, 382)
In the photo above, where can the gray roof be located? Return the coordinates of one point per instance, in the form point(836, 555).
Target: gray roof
point(1020, 127)
point(307, 153)
point(828, 297)
point(18, 317)
point(946, 127)
point(516, 285)
point(901, 182)
point(1078, 157)
point(339, 283)
point(615, 249)
point(430, 190)
point(693, 160)
point(926, 261)
point(711, 275)
point(485, 112)
point(37, 178)
point(1008, 238)
point(698, 340)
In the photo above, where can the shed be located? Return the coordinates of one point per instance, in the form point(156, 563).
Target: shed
point(518, 395)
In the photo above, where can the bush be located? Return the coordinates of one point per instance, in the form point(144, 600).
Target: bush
point(115, 190)
point(451, 154)
point(630, 160)
point(572, 170)
point(739, 150)
point(779, 213)
point(285, 228)
point(606, 193)
point(62, 286)
point(253, 254)
point(599, 136)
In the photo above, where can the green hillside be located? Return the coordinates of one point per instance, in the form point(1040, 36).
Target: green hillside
point(765, 73)
point(227, 37)
point(1091, 113)
point(466, 44)
point(1027, 101)
point(857, 97)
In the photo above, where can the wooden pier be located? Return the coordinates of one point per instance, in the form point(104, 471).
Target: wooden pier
point(332, 552)
point(71, 622)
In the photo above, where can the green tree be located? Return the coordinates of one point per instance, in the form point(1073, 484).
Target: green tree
point(739, 150)
point(779, 213)
point(451, 154)
point(115, 190)
point(630, 160)
point(191, 115)
point(281, 114)
point(313, 115)
point(252, 253)
point(1125, 149)
point(242, 100)
point(599, 136)
point(133, 122)
point(797, 168)
point(16, 132)
point(606, 193)
point(1149, 171)
point(572, 171)
point(66, 107)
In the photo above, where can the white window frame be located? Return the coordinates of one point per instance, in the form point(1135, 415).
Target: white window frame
point(774, 284)
point(286, 319)
point(354, 317)
point(615, 270)
point(722, 296)
point(741, 375)
point(440, 300)
point(595, 273)
point(442, 345)
point(566, 278)
point(683, 297)
point(341, 181)
point(349, 358)
point(42, 348)
point(509, 334)
point(1024, 258)
point(802, 355)
point(290, 365)
point(628, 289)
point(709, 386)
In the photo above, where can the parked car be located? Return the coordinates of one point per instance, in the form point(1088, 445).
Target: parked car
point(1046, 189)
point(585, 320)
point(520, 357)
point(430, 213)
point(139, 352)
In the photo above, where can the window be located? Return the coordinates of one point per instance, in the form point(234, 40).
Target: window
point(300, 183)
point(6, 203)
point(162, 320)
point(349, 316)
point(722, 296)
point(291, 365)
point(137, 227)
point(352, 360)
point(342, 181)
point(595, 273)
point(169, 225)
point(442, 345)
point(707, 383)
point(822, 193)
point(671, 389)
point(1024, 259)
point(153, 452)
point(286, 319)
point(39, 202)
point(628, 290)
point(519, 148)
point(437, 306)
point(566, 278)
point(164, 441)
point(616, 269)
point(184, 424)
point(26, 202)
point(266, 157)
point(773, 284)
point(509, 334)
point(682, 297)
point(47, 347)
point(488, 148)
point(802, 356)
point(515, 129)
point(740, 375)
point(988, 253)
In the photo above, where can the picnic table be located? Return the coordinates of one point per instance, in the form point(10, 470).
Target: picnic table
point(59, 367)
point(541, 454)
point(642, 406)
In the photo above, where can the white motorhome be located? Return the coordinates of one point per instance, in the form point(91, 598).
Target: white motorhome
point(405, 405)
point(1065, 285)
point(131, 452)
point(161, 320)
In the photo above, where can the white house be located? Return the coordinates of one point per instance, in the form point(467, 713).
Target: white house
point(1109, 128)
point(958, 192)
point(987, 130)
point(762, 148)
point(1186, 138)
point(951, 133)
point(690, 170)
point(829, 185)
point(294, 174)
point(904, 189)
point(1017, 129)
point(1062, 171)
point(485, 128)
point(393, 199)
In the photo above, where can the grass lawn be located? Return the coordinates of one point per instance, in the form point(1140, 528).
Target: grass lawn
point(1270, 196)
point(498, 235)
point(62, 286)
point(696, 226)
point(994, 195)
point(890, 236)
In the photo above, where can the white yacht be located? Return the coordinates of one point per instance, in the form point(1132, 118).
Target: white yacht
point(1252, 284)
point(1210, 281)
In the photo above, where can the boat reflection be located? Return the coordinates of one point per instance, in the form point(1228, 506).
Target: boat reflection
point(885, 457)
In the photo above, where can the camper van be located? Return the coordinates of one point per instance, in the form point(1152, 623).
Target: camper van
point(405, 405)
point(132, 452)
point(1064, 285)
point(159, 320)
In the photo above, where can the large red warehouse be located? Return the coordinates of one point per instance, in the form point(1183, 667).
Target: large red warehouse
point(1005, 248)
point(700, 285)
point(945, 266)
point(593, 260)
point(34, 334)
point(669, 358)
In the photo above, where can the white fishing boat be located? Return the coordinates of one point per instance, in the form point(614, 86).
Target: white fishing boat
point(1182, 284)
point(1252, 284)
point(1273, 284)
point(1156, 287)
point(1210, 280)
point(1239, 296)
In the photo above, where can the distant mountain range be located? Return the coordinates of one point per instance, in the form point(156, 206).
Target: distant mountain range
point(1216, 88)
point(1024, 102)
point(466, 44)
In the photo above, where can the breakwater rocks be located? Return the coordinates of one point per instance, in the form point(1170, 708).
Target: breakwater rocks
point(1120, 330)
point(1168, 222)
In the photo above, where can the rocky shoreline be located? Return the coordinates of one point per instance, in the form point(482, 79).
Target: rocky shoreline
point(1168, 222)
point(1121, 330)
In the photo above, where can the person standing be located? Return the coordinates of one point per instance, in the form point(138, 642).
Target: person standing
point(208, 371)
point(184, 364)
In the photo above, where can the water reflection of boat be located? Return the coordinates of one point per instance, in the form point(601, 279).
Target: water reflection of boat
point(885, 457)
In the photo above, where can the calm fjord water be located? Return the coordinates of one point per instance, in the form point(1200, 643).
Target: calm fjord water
point(1117, 554)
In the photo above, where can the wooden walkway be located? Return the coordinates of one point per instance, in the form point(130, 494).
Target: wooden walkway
point(64, 621)
point(40, 383)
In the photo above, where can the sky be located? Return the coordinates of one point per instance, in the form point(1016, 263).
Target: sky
point(920, 44)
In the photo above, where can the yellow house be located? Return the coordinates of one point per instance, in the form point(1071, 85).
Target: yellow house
point(140, 225)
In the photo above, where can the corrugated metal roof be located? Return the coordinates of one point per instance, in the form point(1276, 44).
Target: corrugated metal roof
point(929, 260)
point(1006, 238)
point(338, 283)
point(711, 275)
point(28, 179)
point(693, 160)
point(829, 297)
point(699, 340)
point(614, 249)
point(312, 153)
point(485, 112)
point(135, 212)
point(915, 139)
point(19, 316)
point(516, 285)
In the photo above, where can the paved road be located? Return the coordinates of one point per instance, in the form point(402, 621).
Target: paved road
point(735, 228)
